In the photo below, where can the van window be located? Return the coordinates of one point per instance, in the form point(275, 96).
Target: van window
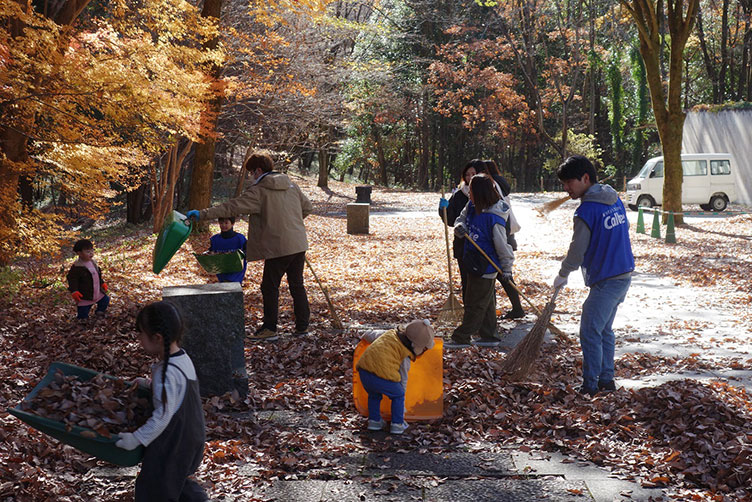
point(695, 167)
point(658, 170)
point(720, 167)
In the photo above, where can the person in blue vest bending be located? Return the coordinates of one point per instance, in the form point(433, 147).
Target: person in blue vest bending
point(600, 245)
point(228, 240)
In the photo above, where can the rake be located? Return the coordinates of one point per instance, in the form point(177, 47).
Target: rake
point(336, 323)
point(452, 311)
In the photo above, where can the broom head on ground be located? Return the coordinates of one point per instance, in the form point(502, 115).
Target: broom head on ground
point(519, 362)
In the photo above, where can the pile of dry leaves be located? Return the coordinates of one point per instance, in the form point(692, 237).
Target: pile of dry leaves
point(689, 437)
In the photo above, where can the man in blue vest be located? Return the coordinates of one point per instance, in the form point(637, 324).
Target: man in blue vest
point(600, 245)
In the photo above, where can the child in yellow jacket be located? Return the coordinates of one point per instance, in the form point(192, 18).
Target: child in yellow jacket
point(383, 370)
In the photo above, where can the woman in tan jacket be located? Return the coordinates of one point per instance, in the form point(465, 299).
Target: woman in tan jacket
point(276, 234)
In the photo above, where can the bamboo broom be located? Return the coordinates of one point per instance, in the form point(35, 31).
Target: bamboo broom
point(555, 204)
point(519, 362)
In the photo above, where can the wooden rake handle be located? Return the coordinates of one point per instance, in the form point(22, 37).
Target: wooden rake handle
point(537, 311)
point(335, 318)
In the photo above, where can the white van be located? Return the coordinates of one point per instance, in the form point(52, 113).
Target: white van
point(708, 181)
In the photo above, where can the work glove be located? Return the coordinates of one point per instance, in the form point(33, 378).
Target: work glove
point(460, 230)
point(193, 214)
point(560, 282)
point(443, 203)
point(506, 277)
point(104, 287)
point(127, 441)
point(77, 296)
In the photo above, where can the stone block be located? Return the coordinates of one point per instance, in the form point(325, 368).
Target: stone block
point(357, 218)
point(214, 318)
point(363, 194)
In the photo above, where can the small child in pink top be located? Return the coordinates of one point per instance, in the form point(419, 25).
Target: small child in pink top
point(85, 281)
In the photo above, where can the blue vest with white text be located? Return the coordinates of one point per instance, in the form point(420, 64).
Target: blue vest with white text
point(609, 252)
point(480, 228)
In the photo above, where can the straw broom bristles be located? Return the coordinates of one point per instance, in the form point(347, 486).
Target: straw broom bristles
point(519, 362)
point(551, 205)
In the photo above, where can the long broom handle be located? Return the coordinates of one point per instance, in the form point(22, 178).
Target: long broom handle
point(553, 328)
point(335, 318)
point(446, 238)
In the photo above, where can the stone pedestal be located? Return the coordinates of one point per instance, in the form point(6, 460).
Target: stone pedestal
point(357, 218)
point(214, 334)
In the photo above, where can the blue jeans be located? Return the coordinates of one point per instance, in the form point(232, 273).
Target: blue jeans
point(596, 336)
point(378, 387)
point(83, 312)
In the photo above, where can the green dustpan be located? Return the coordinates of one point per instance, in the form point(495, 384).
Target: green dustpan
point(221, 263)
point(99, 446)
point(174, 233)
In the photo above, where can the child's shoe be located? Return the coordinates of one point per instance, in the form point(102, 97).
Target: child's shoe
point(398, 428)
point(374, 425)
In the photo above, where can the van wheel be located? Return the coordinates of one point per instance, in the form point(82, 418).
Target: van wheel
point(632, 207)
point(718, 203)
point(645, 201)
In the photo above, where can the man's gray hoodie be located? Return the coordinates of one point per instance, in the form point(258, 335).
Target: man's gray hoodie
point(602, 194)
point(503, 249)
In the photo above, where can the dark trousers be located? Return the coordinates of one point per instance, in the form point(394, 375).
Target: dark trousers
point(274, 270)
point(83, 312)
point(463, 277)
point(512, 293)
point(480, 311)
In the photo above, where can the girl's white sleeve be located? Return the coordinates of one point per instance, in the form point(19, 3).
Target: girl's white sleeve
point(163, 412)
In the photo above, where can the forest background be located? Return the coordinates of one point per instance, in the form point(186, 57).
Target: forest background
point(140, 106)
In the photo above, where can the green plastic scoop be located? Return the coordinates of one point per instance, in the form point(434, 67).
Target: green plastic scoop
point(175, 231)
point(80, 438)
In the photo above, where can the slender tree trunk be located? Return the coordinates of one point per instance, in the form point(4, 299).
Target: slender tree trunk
point(381, 157)
point(323, 181)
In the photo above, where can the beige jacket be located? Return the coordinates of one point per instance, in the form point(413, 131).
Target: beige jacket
point(276, 207)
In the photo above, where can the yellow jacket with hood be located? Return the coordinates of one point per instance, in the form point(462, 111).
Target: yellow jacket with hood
point(384, 357)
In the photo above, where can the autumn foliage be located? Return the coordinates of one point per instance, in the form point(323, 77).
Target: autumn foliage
point(86, 106)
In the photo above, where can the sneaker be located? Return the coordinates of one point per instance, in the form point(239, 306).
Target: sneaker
point(398, 428)
point(300, 332)
point(514, 314)
point(374, 425)
point(490, 342)
point(265, 335)
point(451, 345)
point(606, 385)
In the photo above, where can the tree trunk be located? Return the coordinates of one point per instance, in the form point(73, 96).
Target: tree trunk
point(323, 181)
point(381, 157)
point(669, 115)
point(202, 179)
point(135, 204)
point(163, 183)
